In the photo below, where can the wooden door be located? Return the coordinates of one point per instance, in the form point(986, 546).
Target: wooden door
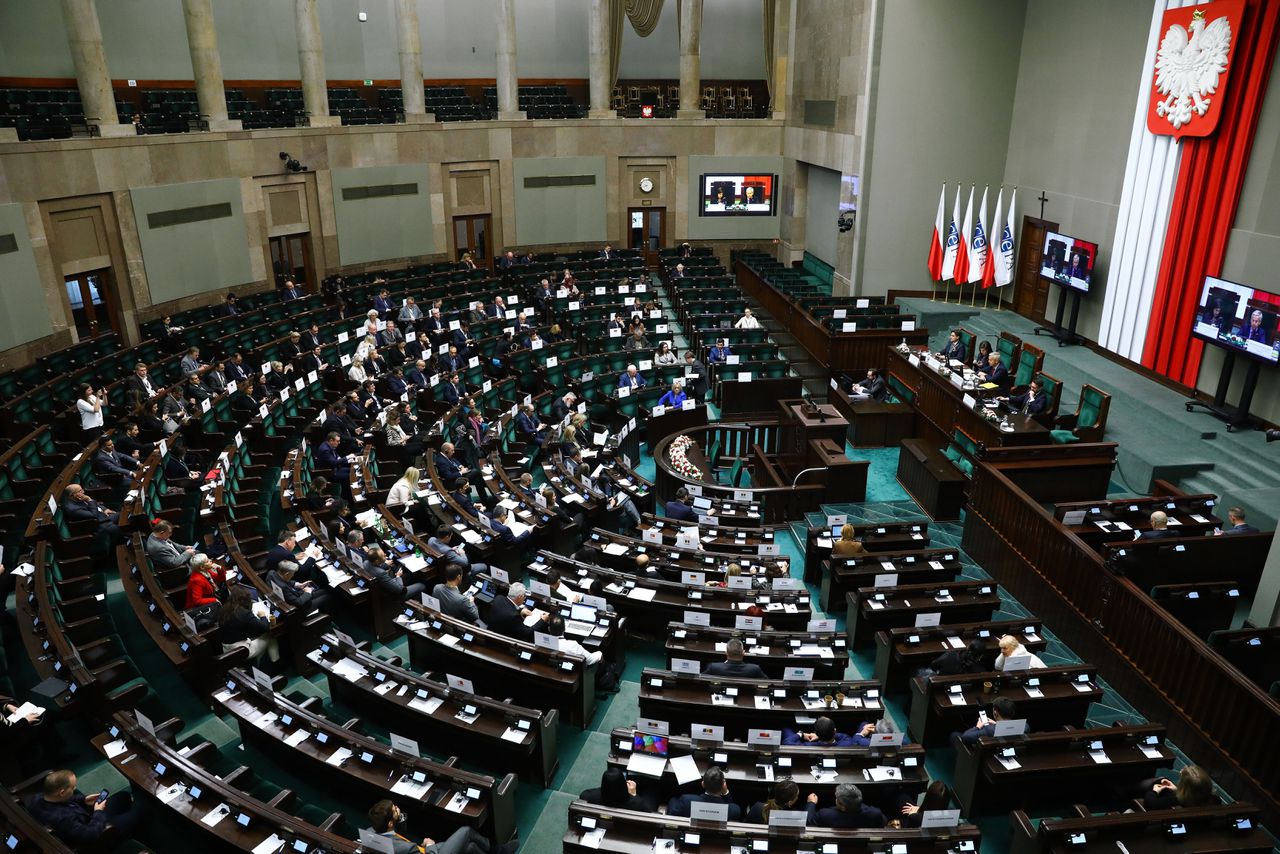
point(1031, 290)
point(291, 259)
point(646, 233)
point(92, 303)
point(471, 234)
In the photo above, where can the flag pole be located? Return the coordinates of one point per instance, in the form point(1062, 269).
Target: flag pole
point(986, 294)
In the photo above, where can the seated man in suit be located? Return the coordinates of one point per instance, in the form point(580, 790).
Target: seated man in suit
point(86, 822)
point(714, 791)
point(453, 601)
point(824, 732)
point(528, 426)
point(507, 614)
point(453, 390)
point(448, 468)
point(451, 361)
point(849, 810)
point(871, 388)
point(228, 307)
point(130, 443)
point(681, 507)
point(329, 457)
point(1031, 402)
point(418, 376)
point(444, 544)
point(163, 551)
point(734, 665)
point(383, 304)
point(995, 371)
point(191, 363)
point(140, 384)
point(632, 379)
point(390, 336)
point(284, 554)
point(112, 467)
point(607, 253)
point(314, 361)
point(503, 531)
point(1235, 516)
point(78, 506)
point(388, 577)
point(955, 348)
point(395, 384)
point(460, 492)
point(1002, 710)
point(1159, 527)
point(719, 353)
point(563, 406)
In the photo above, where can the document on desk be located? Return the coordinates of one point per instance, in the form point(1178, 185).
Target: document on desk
point(1010, 764)
point(955, 642)
point(643, 763)
point(935, 564)
point(1031, 638)
point(114, 748)
point(823, 775)
point(880, 773)
point(411, 788)
point(514, 734)
point(1198, 518)
point(270, 845)
point(266, 720)
point(1123, 527)
point(413, 563)
point(169, 794)
point(876, 606)
point(297, 737)
point(335, 576)
point(1100, 757)
point(723, 700)
point(615, 549)
point(956, 699)
point(763, 702)
point(1034, 693)
point(471, 537)
point(644, 594)
point(1151, 752)
point(518, 528)
point(685, 768)
point(812, 704)
point(593, 838)
point(383, 688)
point(448, 640)
point(350, 670)
point(427, 706)
point(457, 803)
point(215, 815)
point(338, 756)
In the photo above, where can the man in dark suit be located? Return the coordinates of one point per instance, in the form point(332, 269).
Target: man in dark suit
point(528, 426)
point(955, 347)
point(395, 383)
point(451, 361)
point(290, 292)
point(417, 375)
point(734, 665)
point(680, 507)
point(497, 308)
point(871, 388)
point(695, 376)
point(1159, 527)
point(228, 307)
point(1030, 402)
point(995, 371)
point(1236, 517)
point(563, 406)
point(503, 532)
point(328, 457)
point(311, 338)
point(314, 361)
point(77, 506)
point(632, 379)
point(390, 336)
point(236, 370)
point(1001, 710)
point(446, 466)
point(507, 261)
point(384, 305)
point(507, 614)
point(1253, 330)
point(453, 390)
point(283, 554)
point(714, 791)
point(460, 492)
point(389, 578)
point(678, 272)
point(1077, 269)
point(86, 822)
point(607, 253)
point(111, 466)
point(849, 810)
point(140, 384)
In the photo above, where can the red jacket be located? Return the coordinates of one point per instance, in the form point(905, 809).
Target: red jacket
point(200, 590)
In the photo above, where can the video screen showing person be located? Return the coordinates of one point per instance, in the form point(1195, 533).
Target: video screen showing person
point(1239, 317)
point(737, 195)
point(1068, 260)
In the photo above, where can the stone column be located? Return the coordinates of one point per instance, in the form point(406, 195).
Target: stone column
point(690, 60)
point(206, 64)
point(507, 80)
point(598, 68)
point(315, 94)
point(84, 37)
point(409, 39)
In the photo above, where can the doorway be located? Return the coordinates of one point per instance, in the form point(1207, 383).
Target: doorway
point(471, 234)
point(1031, 290)
point(647, 233)
point(92, 306)
point(291, 259)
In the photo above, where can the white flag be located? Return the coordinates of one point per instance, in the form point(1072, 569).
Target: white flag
point(1004, 250)
point(966, 238)
point(978, 245)
point(953, 241)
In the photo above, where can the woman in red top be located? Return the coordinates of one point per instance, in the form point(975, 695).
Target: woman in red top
point(203, 583)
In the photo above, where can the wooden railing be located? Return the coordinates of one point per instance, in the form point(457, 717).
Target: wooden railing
point(1214, 713)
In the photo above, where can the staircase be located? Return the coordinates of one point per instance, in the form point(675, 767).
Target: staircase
point(813, 376)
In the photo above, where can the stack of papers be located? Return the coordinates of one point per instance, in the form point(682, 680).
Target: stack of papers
point(880, 773)
point(644, 594)
point(411, 788)
point(643, 763)
point(350, 670)
point(338, 756)
point(686, 769)
point(427, 706)
point(297, 738)
point(1009, 764)
point(24, 710)
point(615, 549)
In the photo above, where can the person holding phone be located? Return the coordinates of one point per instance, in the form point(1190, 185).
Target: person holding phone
point(82, 820)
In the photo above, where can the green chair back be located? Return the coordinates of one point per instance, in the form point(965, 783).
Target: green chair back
point(1026, 368)
point(1005, 349)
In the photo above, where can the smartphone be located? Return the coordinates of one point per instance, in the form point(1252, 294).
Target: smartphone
point(102, 796)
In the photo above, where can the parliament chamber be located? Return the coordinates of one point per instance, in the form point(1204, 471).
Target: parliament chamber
point(546, 425)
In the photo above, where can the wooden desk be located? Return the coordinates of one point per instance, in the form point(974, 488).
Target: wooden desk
point(1210, 830)
point(875, 537)
point(800, 425)
point(774, 651)
point(873, 424)
point(873, 609)
point(934, 716)
point(941, 409)
point(901, 652)
point(843, 574)
point(931, 479)
point(659, 427)
point(1057, 767)
point(683, 699)
point(746, 401)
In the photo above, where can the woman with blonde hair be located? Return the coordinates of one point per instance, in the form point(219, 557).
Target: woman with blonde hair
point(1193, 789)
point(847, 545)
point(402, 491)
point(1011, 648)
point(357, 372)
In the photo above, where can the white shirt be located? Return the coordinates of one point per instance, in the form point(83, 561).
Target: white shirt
point(747, 321)
point(400, 493)
point(574, 648)
point(357, 374)
point(89, 418)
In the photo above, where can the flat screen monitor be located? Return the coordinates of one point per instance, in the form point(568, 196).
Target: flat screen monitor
point(647, 742)
point(1240, 318)
point(737, 195)
point(1068, 261)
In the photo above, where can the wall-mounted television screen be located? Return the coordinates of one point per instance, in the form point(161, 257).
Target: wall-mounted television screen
point(1068, 261)
point(1240, 318)
point(737, 195)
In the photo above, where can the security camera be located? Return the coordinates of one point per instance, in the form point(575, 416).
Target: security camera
point(291, 164)
point(845, 220)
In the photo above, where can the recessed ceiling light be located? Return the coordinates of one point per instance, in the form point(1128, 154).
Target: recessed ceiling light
point(362, 16)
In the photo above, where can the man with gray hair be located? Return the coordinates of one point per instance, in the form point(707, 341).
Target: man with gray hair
point(507, 614)
point(849, 810)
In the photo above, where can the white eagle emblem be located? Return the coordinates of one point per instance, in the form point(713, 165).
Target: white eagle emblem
point(1188, 67)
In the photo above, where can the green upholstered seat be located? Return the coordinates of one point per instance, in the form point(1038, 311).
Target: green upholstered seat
point(1090, 406)
point(899, 391)
point(1006, 349)
point(1063, 437)
point(1026, 368)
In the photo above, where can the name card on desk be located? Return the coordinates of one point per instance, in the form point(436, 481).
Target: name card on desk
point(658, 411)
point(686, 665)
point(822, 626)
point(373, 842)
point(408, 746)
point(624, 391)
point(731, 360)
point(771, 550)
point(767, 737)
point(697, 618)
point(886, 579)
point(695, 578)
point(653, 727)
point(645, 365)
point(457, 683)
point(839, 313)
point(688, 404)
point(886, 739)
point(957, 380)
point(687, 540)
point(862, 303)
point(1005, 729)
point(924, 621)
point(798, 674)
point(546, 641)
point(750, 624)
point(914, 360)
point(430, 601)
point(537, 588)
point(706, 732)
point(701, 811)
point(742, 495)
point(500, 574)
point(969, 401)
point(939, 818)
point(837, 519)
point(908, 326)
point(652, 535)
point(788, 818)
point(848, 327)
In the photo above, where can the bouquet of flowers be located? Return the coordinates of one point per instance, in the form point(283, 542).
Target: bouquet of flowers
point(678, 453)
